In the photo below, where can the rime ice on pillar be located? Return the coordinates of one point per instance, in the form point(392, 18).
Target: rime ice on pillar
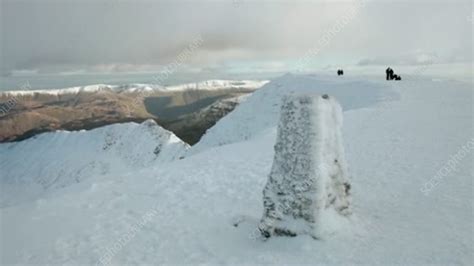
point(308, 182)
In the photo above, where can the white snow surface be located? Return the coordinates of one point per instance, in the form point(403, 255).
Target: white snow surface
point(397, 136)
point(140, 88)
point(58, 159)
point(262, 110)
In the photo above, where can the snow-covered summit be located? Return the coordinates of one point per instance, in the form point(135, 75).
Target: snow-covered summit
point(262, 109)
point(185, 211)
point(139, 88)
point(59, 159)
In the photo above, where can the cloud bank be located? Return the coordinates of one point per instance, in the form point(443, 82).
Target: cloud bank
point(238, 35)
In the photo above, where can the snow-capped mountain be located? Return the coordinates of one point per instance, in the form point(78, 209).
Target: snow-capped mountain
point(58, 159)
point(140, 88)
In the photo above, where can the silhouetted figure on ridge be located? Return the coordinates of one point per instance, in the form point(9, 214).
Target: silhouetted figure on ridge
point(389, 73)
point(392, 73)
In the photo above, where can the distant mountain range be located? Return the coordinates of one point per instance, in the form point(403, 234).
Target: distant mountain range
point(37, 111)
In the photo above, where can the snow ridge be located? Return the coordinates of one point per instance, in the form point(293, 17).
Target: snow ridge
point(58, 159)
point(261, 110)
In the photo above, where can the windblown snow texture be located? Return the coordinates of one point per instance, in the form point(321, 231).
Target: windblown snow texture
point(59, 159)
point(309, 172)
point(393, 145)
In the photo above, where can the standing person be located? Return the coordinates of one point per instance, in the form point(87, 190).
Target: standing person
point(387, 72)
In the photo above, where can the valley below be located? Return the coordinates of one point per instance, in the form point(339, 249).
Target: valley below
point(187, 110)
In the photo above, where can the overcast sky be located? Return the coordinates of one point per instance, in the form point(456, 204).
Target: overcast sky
point(144, 35)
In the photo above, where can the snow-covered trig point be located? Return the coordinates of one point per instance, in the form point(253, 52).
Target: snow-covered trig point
point(308, 188)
